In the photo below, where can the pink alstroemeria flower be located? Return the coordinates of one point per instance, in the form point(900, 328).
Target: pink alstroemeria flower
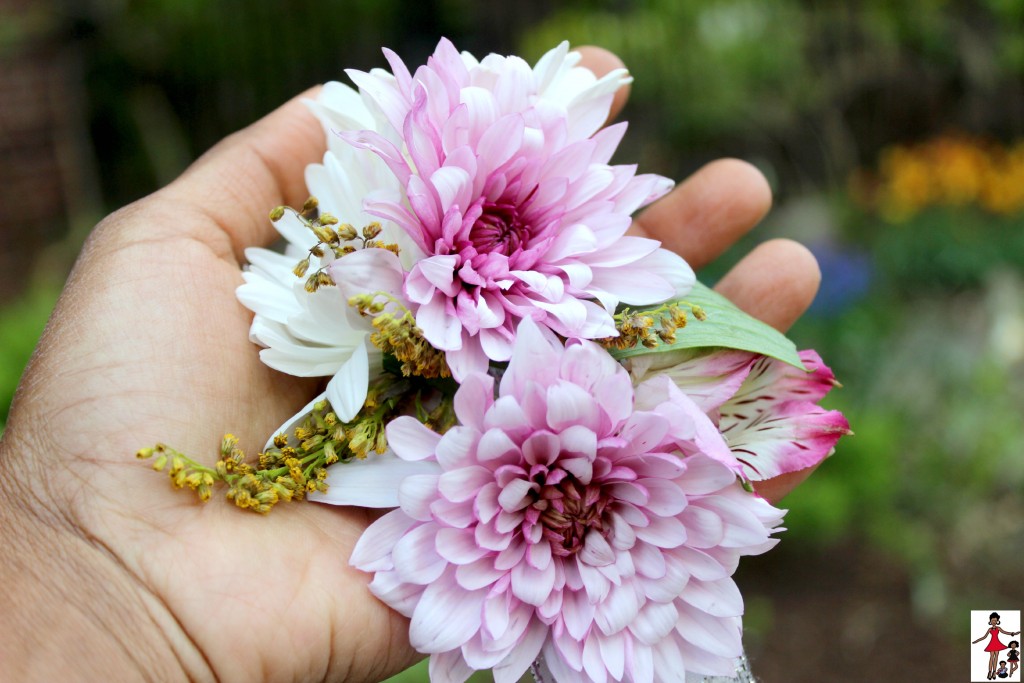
point(509, 194)
point(767, 410)
point(567, 518)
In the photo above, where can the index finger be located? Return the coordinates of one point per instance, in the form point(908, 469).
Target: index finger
point(602, 61)
point(708, 212)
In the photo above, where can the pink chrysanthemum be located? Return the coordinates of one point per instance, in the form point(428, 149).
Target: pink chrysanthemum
point(510, 197)
point(767, 410)
point(570, 519)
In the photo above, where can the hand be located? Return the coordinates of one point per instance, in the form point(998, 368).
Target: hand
point(108, 571)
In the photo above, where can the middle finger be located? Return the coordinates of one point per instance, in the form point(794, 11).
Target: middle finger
point(707, 212)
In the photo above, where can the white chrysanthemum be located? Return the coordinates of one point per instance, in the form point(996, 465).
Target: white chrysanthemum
point(317, 334)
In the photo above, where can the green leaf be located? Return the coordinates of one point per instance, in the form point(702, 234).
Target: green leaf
point(726, 326)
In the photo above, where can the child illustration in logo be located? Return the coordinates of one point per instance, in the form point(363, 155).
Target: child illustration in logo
point(1001, 671)
point(1013, 656)
point(994, 646)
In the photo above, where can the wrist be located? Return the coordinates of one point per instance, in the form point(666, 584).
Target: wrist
point(69, 610)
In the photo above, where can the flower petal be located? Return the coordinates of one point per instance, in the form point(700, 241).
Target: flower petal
point(473, 399)
point(531, 585)
point(513, 666)
point(449, 667)
point(372, 551)
point(446, 617)
point(410, 439)
point(415, 557)
point(372, 482)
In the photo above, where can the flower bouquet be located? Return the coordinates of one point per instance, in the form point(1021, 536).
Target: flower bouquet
point(565, 426)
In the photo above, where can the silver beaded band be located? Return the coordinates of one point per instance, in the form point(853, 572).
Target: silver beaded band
point(743, 674)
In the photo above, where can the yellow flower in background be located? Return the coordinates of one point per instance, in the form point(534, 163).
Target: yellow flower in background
point(949, 171)
point(959, 167)
point(907, 184)
point(1003, 193)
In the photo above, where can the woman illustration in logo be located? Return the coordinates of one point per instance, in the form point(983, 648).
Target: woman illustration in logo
point(994, 647)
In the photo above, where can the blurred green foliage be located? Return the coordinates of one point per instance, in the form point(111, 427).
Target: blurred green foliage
point(949, 250)
point(168, 79)
point(935, 392)
point(809, 89)
point(21, 325)
point(418, 674)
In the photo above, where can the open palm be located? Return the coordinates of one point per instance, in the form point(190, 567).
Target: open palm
point(148, 343)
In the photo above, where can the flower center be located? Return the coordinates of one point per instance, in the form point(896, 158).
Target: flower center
point(499, 229)
point(568, 511)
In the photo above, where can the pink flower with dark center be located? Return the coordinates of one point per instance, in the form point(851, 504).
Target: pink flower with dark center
point(567, 518)
point(509, 194)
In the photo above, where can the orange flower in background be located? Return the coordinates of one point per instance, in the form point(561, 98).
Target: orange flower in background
point(907, 184)
point(959, 166)
point(1003, 191)
point(949, 171)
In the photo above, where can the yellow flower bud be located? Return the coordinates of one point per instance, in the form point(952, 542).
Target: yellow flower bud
point(330, 455)
point(325, 234)
point(227, 442)
point(372, 230)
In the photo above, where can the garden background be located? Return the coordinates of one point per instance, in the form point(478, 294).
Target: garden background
point(891, 132)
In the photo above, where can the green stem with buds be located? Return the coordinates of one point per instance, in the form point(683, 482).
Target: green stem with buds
point(296, 463)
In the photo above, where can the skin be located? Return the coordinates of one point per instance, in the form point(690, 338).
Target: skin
point(108, 574)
